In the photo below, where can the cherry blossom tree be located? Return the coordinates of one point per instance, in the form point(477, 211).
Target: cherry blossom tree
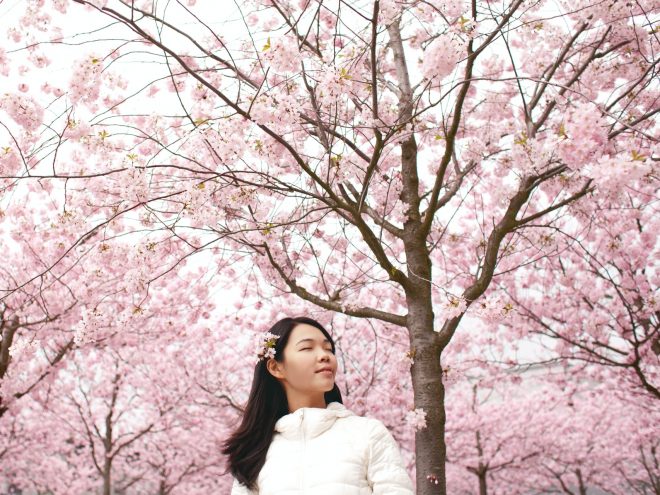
point(493, 436)
point(92, 298)
point(598, 299)
point(104, 415)
point(598, 436)
point(101, 300)
point(549, 435)
point(42, 457)
point(34, 315)
point(384, 160)
point(643, 477)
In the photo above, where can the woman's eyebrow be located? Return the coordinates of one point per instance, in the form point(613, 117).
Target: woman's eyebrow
point(312, 340)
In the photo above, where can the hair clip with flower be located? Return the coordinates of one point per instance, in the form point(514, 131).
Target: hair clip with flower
point(266, 346)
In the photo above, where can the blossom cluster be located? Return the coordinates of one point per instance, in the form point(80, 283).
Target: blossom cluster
point(442, 56)
point(416, 418)
point(265, 346)
point(23, 110)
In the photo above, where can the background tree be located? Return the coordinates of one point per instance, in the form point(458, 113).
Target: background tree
point(597, 300)
point(104, 415)
point(493, 435)
point(538, 433)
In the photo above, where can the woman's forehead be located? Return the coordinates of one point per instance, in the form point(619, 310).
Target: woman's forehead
point(306, 332)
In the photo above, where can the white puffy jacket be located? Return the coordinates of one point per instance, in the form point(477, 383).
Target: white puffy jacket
point(331, 451)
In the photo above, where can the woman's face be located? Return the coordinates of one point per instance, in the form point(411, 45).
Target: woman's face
point(306, 352)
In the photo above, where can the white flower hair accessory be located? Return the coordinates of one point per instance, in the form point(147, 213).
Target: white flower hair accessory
point(265, 346)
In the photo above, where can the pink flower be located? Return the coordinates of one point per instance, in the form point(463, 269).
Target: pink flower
point(23, 110)
point(265, 346)
point(454, 307)
point(442, 56)
point(388, 12)
point(85, 80)
point(416, 418)
point(585, 134)
point(4, 63)
point(282, 55)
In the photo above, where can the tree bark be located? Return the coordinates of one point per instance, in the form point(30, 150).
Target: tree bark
point(483, 484)
point(426, 371)
point(107, 476)
point(429, 395)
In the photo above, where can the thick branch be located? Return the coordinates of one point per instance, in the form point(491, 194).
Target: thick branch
point(503, 227)
point(330, 305)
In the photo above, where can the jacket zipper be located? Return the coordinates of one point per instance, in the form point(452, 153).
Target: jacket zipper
point(304, 456)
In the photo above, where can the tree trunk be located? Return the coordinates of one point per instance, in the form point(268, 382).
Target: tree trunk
point(107, 477)
point(7, 331)
point(426, 371)
point(482, 470)
point(581, 486)
point(429, 393)
point(108, 439)
point(483, 486)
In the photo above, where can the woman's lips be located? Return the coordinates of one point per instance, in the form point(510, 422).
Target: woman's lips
point(324, 372)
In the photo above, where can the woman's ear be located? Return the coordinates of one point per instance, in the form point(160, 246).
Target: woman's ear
point(274, 368)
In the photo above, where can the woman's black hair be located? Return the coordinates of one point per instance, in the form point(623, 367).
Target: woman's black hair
point(248, 445)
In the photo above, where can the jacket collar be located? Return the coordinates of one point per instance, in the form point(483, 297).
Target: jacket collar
point(310, 421)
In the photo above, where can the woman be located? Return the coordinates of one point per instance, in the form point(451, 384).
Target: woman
point(296, 436)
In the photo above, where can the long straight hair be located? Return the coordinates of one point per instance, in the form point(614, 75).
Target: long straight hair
point(248, 445)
